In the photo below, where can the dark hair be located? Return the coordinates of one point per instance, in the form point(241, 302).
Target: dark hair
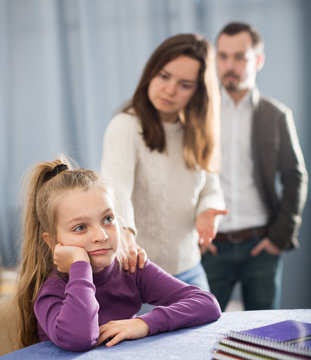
point(200, 112)
point(234, 28)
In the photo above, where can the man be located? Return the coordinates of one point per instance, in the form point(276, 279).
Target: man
point(263, 177)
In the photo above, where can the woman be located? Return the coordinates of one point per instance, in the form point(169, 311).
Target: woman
point(160, 154)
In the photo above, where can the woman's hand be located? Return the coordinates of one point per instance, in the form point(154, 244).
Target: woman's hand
point(117, 331)
point(131, 252)
point(64, 256)
point(207, 226)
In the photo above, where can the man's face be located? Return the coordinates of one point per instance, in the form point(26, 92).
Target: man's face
point(237, 62)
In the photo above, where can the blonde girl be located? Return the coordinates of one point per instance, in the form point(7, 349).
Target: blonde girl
point(72, 289)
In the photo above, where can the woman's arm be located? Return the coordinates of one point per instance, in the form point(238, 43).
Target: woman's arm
point(210, 208)
point(211, 196)
point(118, 166)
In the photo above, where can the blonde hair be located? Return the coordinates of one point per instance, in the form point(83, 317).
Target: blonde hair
point(45, 183)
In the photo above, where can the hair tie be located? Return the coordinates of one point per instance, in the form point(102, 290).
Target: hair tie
point(58, 169)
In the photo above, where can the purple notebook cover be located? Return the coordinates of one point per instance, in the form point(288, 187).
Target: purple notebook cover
point(290, 333)
point(282, 331)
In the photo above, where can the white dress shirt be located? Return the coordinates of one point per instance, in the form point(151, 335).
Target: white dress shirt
point(246, 208)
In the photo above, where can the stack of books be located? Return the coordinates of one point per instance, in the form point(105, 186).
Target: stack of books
point(285, 340)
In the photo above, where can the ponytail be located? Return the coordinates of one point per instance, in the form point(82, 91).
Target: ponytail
point(37, 261)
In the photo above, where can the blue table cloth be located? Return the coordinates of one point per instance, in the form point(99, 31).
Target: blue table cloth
point(192, 343)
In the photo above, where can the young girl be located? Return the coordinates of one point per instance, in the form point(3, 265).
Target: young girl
point(72, 290)
point(159, 153)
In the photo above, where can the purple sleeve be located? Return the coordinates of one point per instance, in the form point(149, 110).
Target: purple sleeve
point(68, 312)
point(178, 305)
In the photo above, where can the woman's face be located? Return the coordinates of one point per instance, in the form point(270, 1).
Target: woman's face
point(173, 87)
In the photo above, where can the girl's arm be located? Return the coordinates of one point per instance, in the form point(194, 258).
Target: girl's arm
point(178, 305)
point(68, 312)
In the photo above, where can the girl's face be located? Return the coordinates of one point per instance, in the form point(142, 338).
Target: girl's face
point(86, 219)
point(173, 87)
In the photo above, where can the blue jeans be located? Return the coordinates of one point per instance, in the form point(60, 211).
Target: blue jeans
point(260, 276)
point(195, 276)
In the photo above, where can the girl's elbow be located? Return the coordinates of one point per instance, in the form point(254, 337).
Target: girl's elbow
point(218, 313)
point(216, 310)
point(76, 345)
point(74, 342)
point(212, 306)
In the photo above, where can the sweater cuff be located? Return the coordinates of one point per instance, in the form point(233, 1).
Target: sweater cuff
point(81, 270)
point(210, 203)
point(156, 320)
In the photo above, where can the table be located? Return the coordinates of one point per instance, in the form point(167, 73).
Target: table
point(192, 343)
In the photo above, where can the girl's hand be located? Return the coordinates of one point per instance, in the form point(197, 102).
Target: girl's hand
point(64, 256)
point(117, 331)
point(206, 225)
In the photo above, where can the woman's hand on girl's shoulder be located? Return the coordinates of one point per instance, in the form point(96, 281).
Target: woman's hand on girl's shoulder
point(114, 332)
point(131, 253)
point(64, 256)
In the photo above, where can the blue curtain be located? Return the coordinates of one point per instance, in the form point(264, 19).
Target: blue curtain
point(66, 66)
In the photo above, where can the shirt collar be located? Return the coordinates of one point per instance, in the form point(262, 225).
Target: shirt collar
point(227, 99)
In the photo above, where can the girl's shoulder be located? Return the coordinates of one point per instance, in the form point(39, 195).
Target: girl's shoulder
point(152, 271)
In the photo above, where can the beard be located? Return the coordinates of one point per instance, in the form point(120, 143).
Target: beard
point(231, 85)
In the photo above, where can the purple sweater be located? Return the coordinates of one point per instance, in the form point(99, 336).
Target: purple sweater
point(69, 309)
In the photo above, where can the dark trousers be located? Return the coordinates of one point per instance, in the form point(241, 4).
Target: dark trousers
point(260, 276)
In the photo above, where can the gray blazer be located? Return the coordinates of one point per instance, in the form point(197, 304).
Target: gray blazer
point(280, 169)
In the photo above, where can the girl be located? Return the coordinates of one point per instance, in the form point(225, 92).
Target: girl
point(159, 153)
point(72, 290)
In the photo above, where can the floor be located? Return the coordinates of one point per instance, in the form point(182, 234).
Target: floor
point(8, 281)
point(8, 326)
point(234, 305)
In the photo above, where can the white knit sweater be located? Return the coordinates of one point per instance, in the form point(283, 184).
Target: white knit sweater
point(156, 194)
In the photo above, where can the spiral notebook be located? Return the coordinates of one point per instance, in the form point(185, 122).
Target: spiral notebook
point(285, 340)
